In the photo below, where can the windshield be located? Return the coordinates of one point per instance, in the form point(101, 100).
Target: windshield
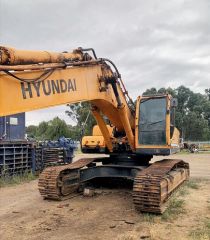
point(152, 121)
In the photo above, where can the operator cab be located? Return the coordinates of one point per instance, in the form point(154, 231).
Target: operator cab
point(155, 132)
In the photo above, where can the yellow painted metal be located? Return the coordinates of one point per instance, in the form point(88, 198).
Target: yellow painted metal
point(127, 127)
point(96, 140)
point(103, 128)
point(60, 86)
point(70, 85)
point(97, 131)
point(169, 142)
point(55, 84)
point(12, 56)
point(168, 103)
point(175, 140)
point(92, 142)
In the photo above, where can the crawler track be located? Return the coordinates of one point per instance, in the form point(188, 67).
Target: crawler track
point(52, 180)
point(154, 185)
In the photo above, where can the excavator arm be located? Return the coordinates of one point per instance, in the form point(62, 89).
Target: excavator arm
point(48, 79)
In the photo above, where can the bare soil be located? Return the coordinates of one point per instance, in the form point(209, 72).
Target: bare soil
point(108, 215)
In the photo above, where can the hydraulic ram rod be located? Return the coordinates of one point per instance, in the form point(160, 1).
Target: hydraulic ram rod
point(12, 56)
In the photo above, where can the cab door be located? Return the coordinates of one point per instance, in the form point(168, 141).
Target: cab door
point(153, 125)
point(152, 121)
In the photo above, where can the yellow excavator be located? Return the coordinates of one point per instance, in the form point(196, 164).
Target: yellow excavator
point(32, 80)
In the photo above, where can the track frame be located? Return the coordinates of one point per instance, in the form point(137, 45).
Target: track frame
point(153, 184)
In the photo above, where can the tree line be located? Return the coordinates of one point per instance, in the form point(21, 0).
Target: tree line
point(192, 117)
point(52, 130)
point(192, 113)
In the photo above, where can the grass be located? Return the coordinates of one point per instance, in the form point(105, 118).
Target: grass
point(174, 208)
point(16, 179)
point(183, 191)
point(186, 152)
point(183, 152)
point(201, 233)
point(192, 184)
point(148, 217)
point(175, 204)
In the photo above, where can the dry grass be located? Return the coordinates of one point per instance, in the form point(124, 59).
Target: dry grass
point(148, 217)
point(176, 204)
point(175, 207)
point(16, 179)
point(193, 184)
point(201, 233)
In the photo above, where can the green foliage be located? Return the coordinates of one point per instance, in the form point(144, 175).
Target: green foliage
point(41, 131)
point(57, 128)
point(175, 207)
point(51, 130)
point(192, 113)
point(184, 189)
point(31, 131)
point(81, 114)
point(207, 92)
point(192, 184)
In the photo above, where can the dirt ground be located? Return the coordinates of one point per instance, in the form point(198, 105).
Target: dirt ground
point(108, 215)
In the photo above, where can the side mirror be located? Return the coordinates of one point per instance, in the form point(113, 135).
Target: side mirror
point(174, 102)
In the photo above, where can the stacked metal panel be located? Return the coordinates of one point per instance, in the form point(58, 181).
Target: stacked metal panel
point(18, 157)
point(50, 153)
point(47, 157)
point(15, 158)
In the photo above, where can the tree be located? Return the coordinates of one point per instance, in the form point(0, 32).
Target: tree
point(41, 130)
point(207, 91)
point(31, 131)
point(81, 114)
point(196, 127)
point(57, 128)
point(151, 91)
point(207, 111)
point(154, 91)
point(51, 130)
point(192, 113)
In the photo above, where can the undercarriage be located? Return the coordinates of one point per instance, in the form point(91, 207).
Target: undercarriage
point(153, 183)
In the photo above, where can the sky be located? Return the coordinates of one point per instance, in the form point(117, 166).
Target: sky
point(154, 43)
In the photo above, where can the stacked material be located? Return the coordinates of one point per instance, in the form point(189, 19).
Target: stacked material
point(58, 152)
point(15, 157)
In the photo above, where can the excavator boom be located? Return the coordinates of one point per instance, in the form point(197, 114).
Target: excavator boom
point(39, 83)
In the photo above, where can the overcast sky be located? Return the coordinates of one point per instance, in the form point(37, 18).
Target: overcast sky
point(154, 43)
